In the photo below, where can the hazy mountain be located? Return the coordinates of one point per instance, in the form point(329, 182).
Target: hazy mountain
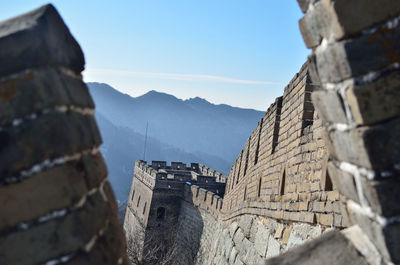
point(179, 130)
point(122, 147)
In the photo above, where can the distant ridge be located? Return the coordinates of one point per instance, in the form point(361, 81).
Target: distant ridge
point(184, 130)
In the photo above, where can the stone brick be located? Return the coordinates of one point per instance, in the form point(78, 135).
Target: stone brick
point(294, 240)
point(325, 219)
point(375, 101)
point(333, 195)
point(238, 238)
point(245, 223)
point(95, 169)
point(273, 247)
point(39, 89)
point(60, 134)
point(381, 47)
point(376, 147)
point(383, 195)
point(330, 247)
point(51, 239)
point(46, 191)
point(232, 256)
point(286, 235)
point(313, 25)
point(343, 181)
point(261, 241)
point(279, 231)
point(386, 238)
point(329, 105)
point(108, 249)
point(308, 217)
point(232, 229)
point(344, 21)
point(38, 38)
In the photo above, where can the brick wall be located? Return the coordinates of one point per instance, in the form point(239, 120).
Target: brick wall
point(57, 205)
point(282, 171)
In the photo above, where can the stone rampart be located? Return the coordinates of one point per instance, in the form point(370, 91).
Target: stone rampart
point(282, 171)
point(57, 203)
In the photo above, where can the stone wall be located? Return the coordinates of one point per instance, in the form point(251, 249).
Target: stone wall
point(57, 205)
point(282, 171)
point(355, 59)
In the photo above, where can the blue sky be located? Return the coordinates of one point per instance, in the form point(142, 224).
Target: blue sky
point(241, 53)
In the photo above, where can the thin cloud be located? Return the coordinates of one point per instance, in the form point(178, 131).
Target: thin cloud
point(179, 77)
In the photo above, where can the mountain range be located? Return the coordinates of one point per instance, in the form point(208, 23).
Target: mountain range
point(192, 130)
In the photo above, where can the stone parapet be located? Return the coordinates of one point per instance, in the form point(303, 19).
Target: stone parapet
point(203, 199)
point(57, 204)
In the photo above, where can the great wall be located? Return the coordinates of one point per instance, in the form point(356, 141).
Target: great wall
point(311, 186)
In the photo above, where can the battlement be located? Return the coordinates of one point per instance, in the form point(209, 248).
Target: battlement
point(204, 199)
point(281, 172)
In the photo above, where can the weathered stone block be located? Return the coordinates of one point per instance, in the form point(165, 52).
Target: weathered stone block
point(245, 223)
point(383, 195)
point(329, 105)
point(294, 240)
point(38, 38)
point(60, 134)
point(375, 101)
point(343, 181)
point(345, 22)
point(261, 241)
point(51, 239)
point(330, 247)
point(273, 247)
point(49, 190)
point(325, 219)
point(376, 147)
point(386, 236)
point(342, 60)
point(286, 235)
point(108, 249)
point(238, 238)
point(232, 229)
point(313, 26)
point(39, 89)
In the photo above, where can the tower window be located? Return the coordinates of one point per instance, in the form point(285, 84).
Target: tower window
point(282, 183)
point(138, 201)
point(144, 207)
point(161, 213)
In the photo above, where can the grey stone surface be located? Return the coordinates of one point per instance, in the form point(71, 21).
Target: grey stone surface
point(238, 238)
point(383, 195)
point(273, 247)
point(228, 247)
point(376, 101)
point(385, 237)
point(330, 248)
point(232, 228)
point(245, 224)
point(253, 231)
point(294, 240)
point(232, 256)
point(38, 38)
point(37, 89)
point(376, 147)
point(261, 240)
point(330, 106)
point(344, 182)
point(346, 59)
point(60, 134)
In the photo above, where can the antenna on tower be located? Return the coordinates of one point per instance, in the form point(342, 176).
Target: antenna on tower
point(145, 142)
